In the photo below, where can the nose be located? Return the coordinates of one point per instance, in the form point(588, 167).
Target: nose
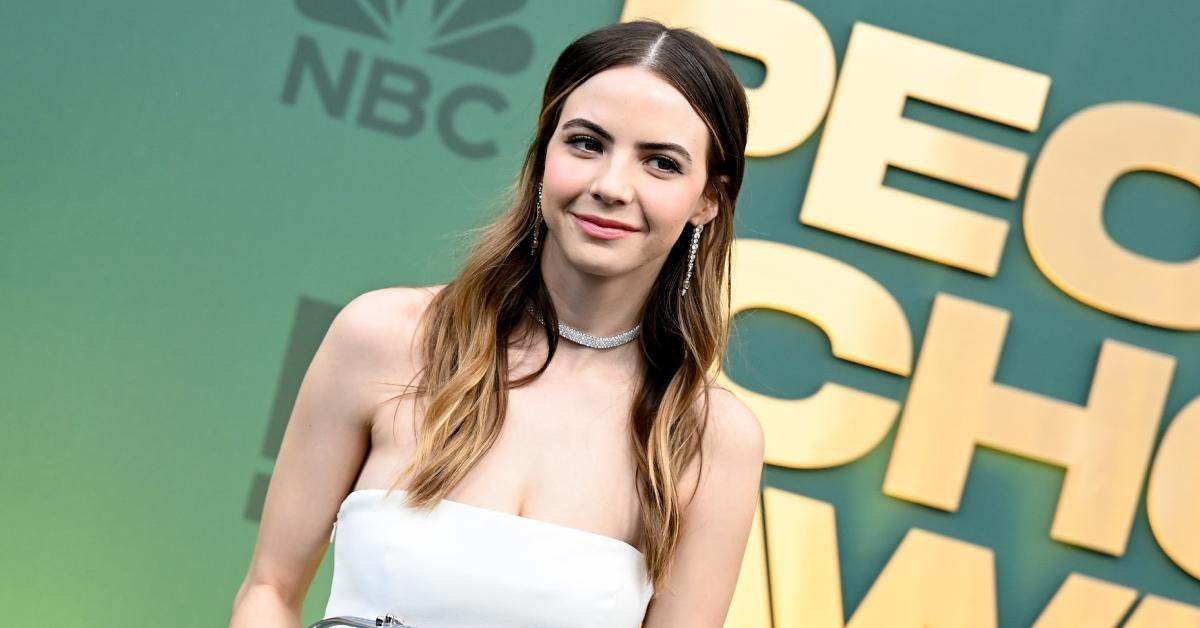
point(611, 184)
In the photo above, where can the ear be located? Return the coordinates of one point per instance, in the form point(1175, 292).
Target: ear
point(710, 207)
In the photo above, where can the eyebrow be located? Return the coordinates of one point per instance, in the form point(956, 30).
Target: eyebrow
point(596, 128)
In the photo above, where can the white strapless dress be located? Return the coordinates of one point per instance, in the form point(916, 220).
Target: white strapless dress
point(464, 566)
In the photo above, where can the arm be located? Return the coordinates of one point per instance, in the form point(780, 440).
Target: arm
point(716, 523)
point(326, 440)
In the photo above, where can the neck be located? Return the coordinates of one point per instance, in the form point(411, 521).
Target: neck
point(598, 305)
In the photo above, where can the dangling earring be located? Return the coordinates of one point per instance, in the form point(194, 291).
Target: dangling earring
point(687, 281)
point(537, 220)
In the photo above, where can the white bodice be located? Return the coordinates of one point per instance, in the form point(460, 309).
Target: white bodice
point(464, 566)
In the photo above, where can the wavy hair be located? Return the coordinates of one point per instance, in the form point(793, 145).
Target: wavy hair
point(467, 327)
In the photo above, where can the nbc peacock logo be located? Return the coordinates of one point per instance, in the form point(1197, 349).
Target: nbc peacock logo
point(395, 97)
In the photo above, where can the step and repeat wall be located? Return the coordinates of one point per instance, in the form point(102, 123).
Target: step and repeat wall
point(966, 285)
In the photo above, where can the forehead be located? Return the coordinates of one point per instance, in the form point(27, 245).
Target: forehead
point(635, 105)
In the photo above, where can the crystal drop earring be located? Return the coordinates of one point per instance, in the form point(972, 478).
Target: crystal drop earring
point(687, 280)
point(537, 220)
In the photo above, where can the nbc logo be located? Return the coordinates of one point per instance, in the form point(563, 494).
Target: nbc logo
point(474, 33)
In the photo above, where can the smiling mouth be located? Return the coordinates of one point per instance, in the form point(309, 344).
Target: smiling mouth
point(599, 231)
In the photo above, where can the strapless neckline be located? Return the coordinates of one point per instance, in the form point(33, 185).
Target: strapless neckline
point(508, 516)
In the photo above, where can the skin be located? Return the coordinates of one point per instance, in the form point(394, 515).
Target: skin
point(563, 454)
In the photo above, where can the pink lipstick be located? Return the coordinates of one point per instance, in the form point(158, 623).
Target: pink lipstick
point(602, 228)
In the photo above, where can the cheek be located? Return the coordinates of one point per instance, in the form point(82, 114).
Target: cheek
point(564, 174)
point(668, 207)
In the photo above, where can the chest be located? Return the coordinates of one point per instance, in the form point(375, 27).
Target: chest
point(563, 455)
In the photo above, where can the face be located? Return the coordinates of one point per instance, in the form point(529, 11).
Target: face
point(625, 174)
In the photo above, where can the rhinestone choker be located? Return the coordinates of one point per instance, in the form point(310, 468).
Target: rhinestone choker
point(586, 339)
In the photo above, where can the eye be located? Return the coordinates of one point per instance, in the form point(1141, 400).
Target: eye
point(671, 166)
point(575, 140)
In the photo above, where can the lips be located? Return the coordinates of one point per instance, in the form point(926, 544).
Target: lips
point(605, 222)
point(602, 228)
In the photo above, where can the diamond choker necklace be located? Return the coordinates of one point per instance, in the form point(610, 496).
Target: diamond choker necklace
point(586, 339)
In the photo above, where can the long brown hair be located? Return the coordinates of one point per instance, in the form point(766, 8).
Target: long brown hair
point(468, 326)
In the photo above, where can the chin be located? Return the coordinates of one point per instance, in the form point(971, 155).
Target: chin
point(599, 263)
point(599, 268)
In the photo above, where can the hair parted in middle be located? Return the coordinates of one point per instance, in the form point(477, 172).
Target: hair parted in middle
point(467, 327)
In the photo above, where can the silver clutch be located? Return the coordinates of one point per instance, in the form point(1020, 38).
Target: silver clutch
point(362, 622)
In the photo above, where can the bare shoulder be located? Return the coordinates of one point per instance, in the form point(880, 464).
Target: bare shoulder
point(734, 434)
point(394, 304)
point(733, 444)
point(378, 325)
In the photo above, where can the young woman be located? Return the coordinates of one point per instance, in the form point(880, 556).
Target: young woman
point(558, 454)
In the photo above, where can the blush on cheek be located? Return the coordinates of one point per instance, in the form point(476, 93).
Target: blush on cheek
point(668, 206)
point(565, 177)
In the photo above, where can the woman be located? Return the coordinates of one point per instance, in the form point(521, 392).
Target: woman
point(518, 480)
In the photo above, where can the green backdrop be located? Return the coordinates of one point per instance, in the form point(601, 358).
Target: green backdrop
point(177, 230)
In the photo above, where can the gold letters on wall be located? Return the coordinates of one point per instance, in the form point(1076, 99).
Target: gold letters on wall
point(1064, 208)
point(1173, 497)
point(954, 404)
point(930, 580)
point(865, 133)
point(865, 325)
point(806, 581)
point(1157, 612)
point(1084, 601)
